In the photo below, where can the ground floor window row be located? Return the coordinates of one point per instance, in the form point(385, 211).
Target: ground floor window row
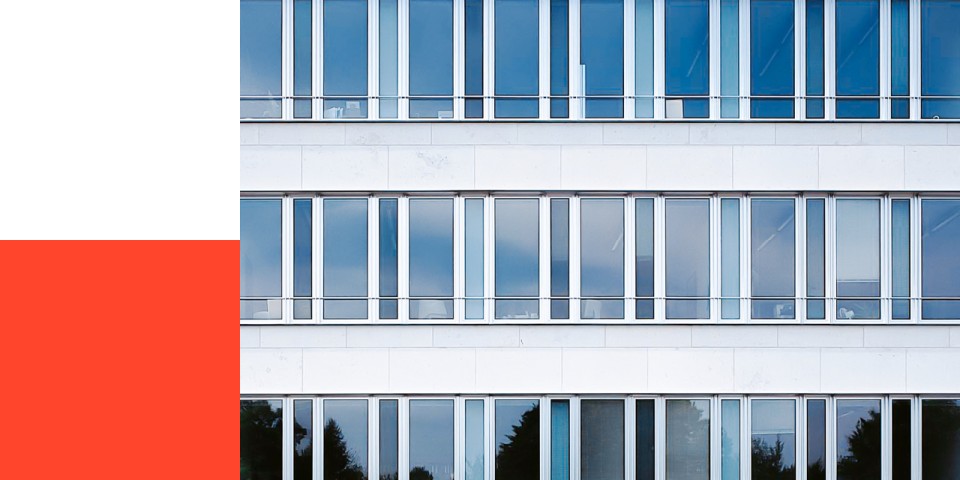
point(600, 438)
point(650, 257)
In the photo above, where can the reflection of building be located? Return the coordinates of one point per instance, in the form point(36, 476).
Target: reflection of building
point(696, 239)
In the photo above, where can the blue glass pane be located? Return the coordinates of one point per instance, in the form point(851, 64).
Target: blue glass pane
point(516, 56)
point(772, 257)
point(939, 51)
point(687, 47)
point(729, 48)
point(260, 248)
point(815, 108)
point(687, 439)
point(730, 440)
point(473, 440)
point(687, 262)
point(644, 239)
point(345, 247)
point(516, 257)
point(646, 440)
point(302, 51)
point(302, 247)
point(431, 55)
point(303, 440)
point(431, 439)
point(858, 108)
point(560, 440)
point(940, 264)
point(389, 63)
point(559, 247)
point(601, 247)
point(816, 439)
point(858, 48)
point(644, 58)
point(473, 47)
point(858, 257)
point(260, 47)
point(771, 108)
point(816, 243)
point(346, 457)
point(900, 47)
point(900, 247)
point(771, 47)
point(900, 108)
point(473, 248)
point(345, 47)
point(601, 54)
point(431, 247)
point(559, 47)
point(516, 108)
point(389, 439)
point(814, 50)
point(730, 256)
point(388, 247)
point(559, 108)
point(940, 108)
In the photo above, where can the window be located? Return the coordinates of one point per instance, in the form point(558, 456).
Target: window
point(473, 258)
point(773, 439)
point(730, 439)
point(388, 259)
point(730, 258)
point(431, 258)
point(646, 439)
point(858, 439)
point(431, 440)
point(601, 439)
point(431, 58)
point(344, 439)
point(474, 439)
point(815, 72)
point(816, 439)
point(303, 440)
point(900, 58)
point(687, 58)
point(517, 441)
point(941, 438)
point(687, 246)
point(389, 439)
point(940, 264)
point(559, 59)
point(473, 58)
point(560, 440)
point(516, 58)
point(559, 258)
point(772, 258)
point(345, 258)
point(643, 63)
point(516, 258)
point(601, 258)
point(344, 58)
point(939, 59)
point(729, 58)
point(302, 258)
point(302, 58)
point(816, 259)
point(901, 434)
point(688, 439)
point(260, 58)
point(771, 58)
point(260, 259)
point(900, 258)
point(858, 259)
point(644, 257)
point(389, 59)
point(858, 58)
point(601, 57)
point(261, 440)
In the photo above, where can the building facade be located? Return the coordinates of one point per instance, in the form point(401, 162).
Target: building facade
point(600, 239)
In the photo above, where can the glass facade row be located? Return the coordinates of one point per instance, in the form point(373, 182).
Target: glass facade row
point(573, 438)
point(724, 258)
point(605, 59)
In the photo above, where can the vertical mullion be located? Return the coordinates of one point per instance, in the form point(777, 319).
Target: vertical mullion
point(403, 259)
point(286, 259)
point(488, 59)
point(915, 252)
point(458, 63)
point(320, 259)
point(373, 429)
point(714, 249)
point(885, 70)
point(800, 254)
point(886, 250)
point(575, 86)
point(659, 106)
point(629, 257)
point(317, 60)
point(800, 64)
point(829, 60)
point(403, 438)
point(488, 263)
point(747, 254)
point(915, 59)
point(403, 61)
point(316, 247)
point(458, 256)
point(830, 282)
point(373, 59)
point(544, 252)
point(544, 63)
point(744, 59)
point(286, 60)
point(373, 255)
point(714, 66)
point(629, 60)
point(574, 259)
point(659, 261)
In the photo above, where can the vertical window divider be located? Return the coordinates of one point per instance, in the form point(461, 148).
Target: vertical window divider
point(629, 260)
point(318, 312)
point(829, 60)
point(629, 60)
point(458, 62)
point(403, 71)
point(744, 259)
point(714, 67)
point(543, 104)
point(886, 217)
point(916, 434)
point(915, 256)
point(629, 437)
point(914, 59)
point(403, 430)
point(488, 263)
point(403, 259)
point(488, 64)
point(659, 266)
point(744, 6)
point(575, 435)
point(800, 258)
point(576, 87)
point(286, 259)
point(373, 255)
point(286, 60)
point(316, 42)
point(800, 67)
point(544, 253)
point(714, 244)
point(373, 425)
point(574, 244)
point(317, 445)
point(373, 62)
point(489, 442)
point(886, 402)
point(747, 272)
point(458, 255)
point(459, 418)
point(830, 269)
point(286, 442)
point(545, 425)
point(659, 105)
point(885, 61)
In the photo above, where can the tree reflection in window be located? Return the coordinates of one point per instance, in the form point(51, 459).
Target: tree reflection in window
point(338, 461)
point(941, 439)
point(261, 440)
point(345, 440)
point(858, 439)
point(518, 439)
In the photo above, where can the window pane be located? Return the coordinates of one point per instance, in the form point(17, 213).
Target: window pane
point(517, 439)
point(730, 258)
point(260, 57)
point(345, 58)
point(303, 440)
point(389, 440)
point(644, 257)
point(901, 440)
point(941, 438)
point(345, 257)
point(858, 57)
point(474, 441)
point(771, 58)
point(560, 440)
point(816, 439)
point(388, 258)
point(260, 258)
point(601, 439)
point(344, 439)
point(473, 253)
point(473, 58)
point(302, 55)
point(644, 58)
point(517, 257)
point(261, 440)
point(559, 257)
point(858, 439)
point(900, 47)
point(772, 257)
point(431, 257)
point(729, 58)
point(688, 439)
point(858, 259)
point(431, 58)
point(900, 263)
point(601, 257)
point(431, 440)
point(773, 439)
point(939, 60)
point(516, 57)
point(730, 439)
point(687, 248)
point(687, 57)
point(601, 57)
point(646, 440)
point(816, 243)
point(302, 256)
point(940, 265)
point(815, 108)
point(389, 63)
point(559, 58)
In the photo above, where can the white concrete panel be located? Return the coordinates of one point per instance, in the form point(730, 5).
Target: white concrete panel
point(646, 133)
point(862, 370)
point(518, 370)
point(777, 370)
point(904, 134)
point(604, 370)
point(432, 370)
point(861, 168)
point(345, 168)
point(560, 133)
point(789, 168)
point(301, 134)
point(734, 336)
point(955, 336)
point(269, 168)
point(249, 134)
point(818, 133)
point(387, 134)
point(906, 336)
point(303, 336)
point(690, 370)
point(346, 370)
point(648, 336)
point(933, 370)
point(517, 167)
point(603, 168)
point(431, 168)
point(932, 168)
point(689, 168)
point(562, 336)
point(953, 134)
point(820, 336)
point(271, 370)
point(249, 336)
point(476, 336)
point(474, 133)
point(389, 336)
point(733, 133)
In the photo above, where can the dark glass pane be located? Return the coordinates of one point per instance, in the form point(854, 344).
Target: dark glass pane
point(559, 108)
point(940, 449)
point(771, 57)
point(474, 439)
point(816, 309)
point(940, 108)
point(687, 248)
point(303, 440)
point(431, 257)
point(345, 50)
point(601, 256)
point(389, 440)
point(729, 440)
point(771, 108)
point(858, 258)
point(260, 248)
point(939, 59)
point(901, 440)
point(815, 108)
point(900, 262)
point(773, 442)
point(644, 247)
point(559, 52)
point(260, 48)
point(601, 439)
point(772, 257)
point(858, 439)
point(345, 256)
point(601, 56)
point(646, 440)
point(515, 107)
point(344, 439)
point(816, 244)
point(261, 440)
point(302, 247)
point(900, 108)
point(517, 439)
point(516, 256)
point(388, 252)
point(473, 51)
point(816, 440)
point(940, 264)
point(857, 54)
point(687, 47)
point(431, 57)
point(688, 439)
point(900, 47)
point(858, 108)
point(559, 255)
point(814, 51)
point(431, 440)
point(559, 440)
point(516, 56)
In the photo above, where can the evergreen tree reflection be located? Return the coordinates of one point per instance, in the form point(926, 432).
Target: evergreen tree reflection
point(519, 457)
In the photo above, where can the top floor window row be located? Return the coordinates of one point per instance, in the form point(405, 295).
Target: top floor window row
point(643, 257)
point(599, 59)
